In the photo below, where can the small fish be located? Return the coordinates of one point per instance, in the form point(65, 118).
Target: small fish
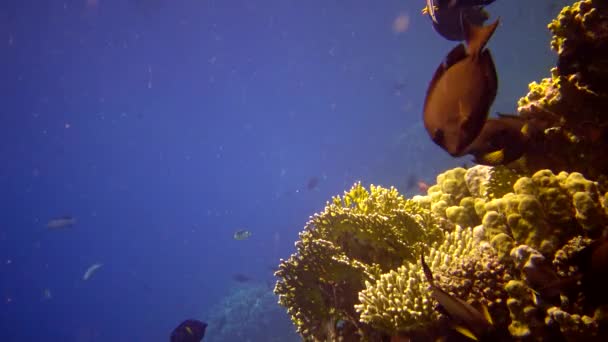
point(470, 321)
point(46, 294)
point(242, 235)
point(461, 92)
point(190, 330)
point(241, 278)
point(410, 183)
point(312, 183)
point(91, 270)
point(399, 87)
point(61, 222)
point(423, 187)
point(447, 16)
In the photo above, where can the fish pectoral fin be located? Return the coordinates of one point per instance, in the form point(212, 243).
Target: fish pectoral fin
point(536, 298)
point(464, 112)
point(465, 332)
point(492, 158)
point(525, 129)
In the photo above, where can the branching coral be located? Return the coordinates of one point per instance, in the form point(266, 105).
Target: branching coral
point(580, 37)
point(356, 237)
point(356, 261)
point(399, 301)
point(491, 235)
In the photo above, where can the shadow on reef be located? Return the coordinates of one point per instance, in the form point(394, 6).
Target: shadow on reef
point(528, 241)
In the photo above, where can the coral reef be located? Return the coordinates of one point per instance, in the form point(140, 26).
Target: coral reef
point(357, 237)
point(399, 302)
point(248, 313)
point(518, 239)
point(569, 107)
point(497, 251)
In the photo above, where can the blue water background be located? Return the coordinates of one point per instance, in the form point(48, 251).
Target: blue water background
point(164, 126)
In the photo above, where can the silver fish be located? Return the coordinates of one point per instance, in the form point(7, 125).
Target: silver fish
point(61, 222)
point(242, 234)
point(91, 270)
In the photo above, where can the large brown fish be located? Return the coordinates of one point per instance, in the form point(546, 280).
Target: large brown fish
point(501, 141)
point(461, 92)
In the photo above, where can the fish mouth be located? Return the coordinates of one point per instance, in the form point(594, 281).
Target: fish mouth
point(459, 150)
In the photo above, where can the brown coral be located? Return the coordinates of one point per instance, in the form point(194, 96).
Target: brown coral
point(568, 109)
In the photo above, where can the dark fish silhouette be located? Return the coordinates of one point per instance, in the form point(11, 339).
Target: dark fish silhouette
point(461, 92)
point(501, 141)
point(507, 138)
point(312, 183)
point(411, 182)
point(469, 321)
point(190, 330)
point(448, 16)
point(241, 278)
point(593, 265)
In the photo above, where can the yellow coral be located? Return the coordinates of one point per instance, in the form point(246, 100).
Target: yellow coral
point(364, 248)
point(569, 106)
point(357, 236)
point(400, 301)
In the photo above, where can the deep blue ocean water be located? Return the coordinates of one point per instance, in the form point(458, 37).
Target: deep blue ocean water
point(163, 126)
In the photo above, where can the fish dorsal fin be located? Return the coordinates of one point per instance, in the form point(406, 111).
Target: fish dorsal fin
point(457, 54)
point(427, 271)
point(477, 37)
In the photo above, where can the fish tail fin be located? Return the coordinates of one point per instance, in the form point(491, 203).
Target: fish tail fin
point(477, 36)
point(427, 271)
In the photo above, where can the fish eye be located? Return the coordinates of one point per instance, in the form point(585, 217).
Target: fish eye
point(438, 136)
